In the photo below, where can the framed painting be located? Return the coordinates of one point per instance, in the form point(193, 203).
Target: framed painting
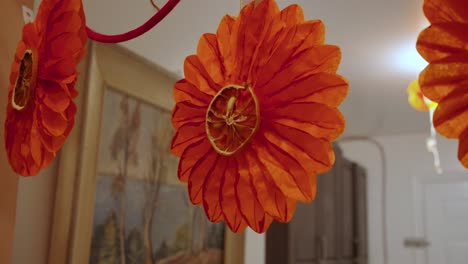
point(118, 199)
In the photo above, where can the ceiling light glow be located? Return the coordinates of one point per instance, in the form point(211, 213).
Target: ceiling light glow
point(407, 59)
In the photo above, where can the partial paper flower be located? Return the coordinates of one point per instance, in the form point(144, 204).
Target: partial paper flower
point(445, 46)
point(40, 110)
point(256, 114)
point(416, 98)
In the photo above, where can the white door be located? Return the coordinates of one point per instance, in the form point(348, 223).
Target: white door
point(444, 221)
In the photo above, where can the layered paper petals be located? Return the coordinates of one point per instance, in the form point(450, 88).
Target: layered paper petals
point(256, 114)
point(451, 116)
point(439, 11)
point(445, 46)
point(40, 110)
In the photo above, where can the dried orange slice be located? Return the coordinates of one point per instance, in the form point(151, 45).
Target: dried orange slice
point(26, 80)
point(232, 118)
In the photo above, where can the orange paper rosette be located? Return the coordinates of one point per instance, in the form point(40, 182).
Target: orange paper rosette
point(40, 111)
point(416, 98)
point(256, 114)
point(445, 81)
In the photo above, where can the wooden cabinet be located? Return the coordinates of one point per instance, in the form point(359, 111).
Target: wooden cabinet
point(330, 230)
point(360, 215)
point(345, 209)
point(306, 245)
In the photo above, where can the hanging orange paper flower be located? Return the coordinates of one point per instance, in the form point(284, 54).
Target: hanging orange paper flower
point(256, 114)
point(416, 98)
point(445, 46)
point(40, 111)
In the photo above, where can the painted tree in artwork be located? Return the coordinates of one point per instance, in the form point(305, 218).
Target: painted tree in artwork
point(199, 231)
point(134, 248)
point(198, 225)
point(189, 227)
point(124, 151)
point(151, 188)
point(160, 141)
point(105, 242)
point(182, 239)
point(216, 236)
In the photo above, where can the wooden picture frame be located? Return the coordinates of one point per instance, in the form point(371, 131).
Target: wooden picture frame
point(105, 66)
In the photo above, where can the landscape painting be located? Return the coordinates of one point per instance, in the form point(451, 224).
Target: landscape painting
point(142, 213)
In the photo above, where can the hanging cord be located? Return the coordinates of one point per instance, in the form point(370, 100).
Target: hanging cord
point(384, 188)
point(152, 22)
point(431, 141)
point(155, 5)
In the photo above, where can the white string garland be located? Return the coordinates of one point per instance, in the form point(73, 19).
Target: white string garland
point(431, 141)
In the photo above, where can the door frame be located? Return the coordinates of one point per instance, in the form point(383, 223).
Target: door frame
point(420, 256)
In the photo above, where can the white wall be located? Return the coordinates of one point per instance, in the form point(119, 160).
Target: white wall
point(254, 247)
point(407, 160)
point(36, 196)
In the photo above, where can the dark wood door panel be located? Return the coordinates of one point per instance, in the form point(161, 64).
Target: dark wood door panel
point(330, 230)
point(360, 212)
point(277, 244)
point(326, 215)
point(303, 232)
point(306, 262)
point(345, 210)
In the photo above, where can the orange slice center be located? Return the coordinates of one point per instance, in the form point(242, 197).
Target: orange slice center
point(25, 82)
point(232, 119)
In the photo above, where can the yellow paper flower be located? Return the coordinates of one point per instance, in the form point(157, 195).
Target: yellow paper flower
point(417, 100)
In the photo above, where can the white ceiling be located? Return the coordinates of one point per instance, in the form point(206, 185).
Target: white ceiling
point(377, 38)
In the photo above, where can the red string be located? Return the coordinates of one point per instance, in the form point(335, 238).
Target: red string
point(154, 5)
point(153, 21)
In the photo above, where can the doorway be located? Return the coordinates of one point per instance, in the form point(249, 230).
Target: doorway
point(441, 220)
